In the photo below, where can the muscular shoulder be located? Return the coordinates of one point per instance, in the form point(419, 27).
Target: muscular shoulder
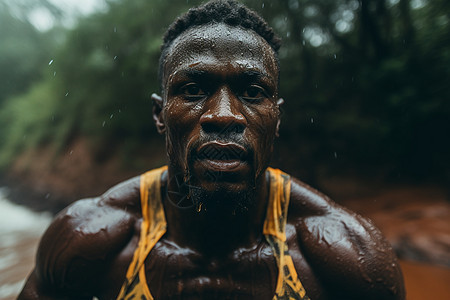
point(83, 238)
point(346, 251)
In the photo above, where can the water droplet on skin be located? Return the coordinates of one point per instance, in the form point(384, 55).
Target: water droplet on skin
point(199, 207)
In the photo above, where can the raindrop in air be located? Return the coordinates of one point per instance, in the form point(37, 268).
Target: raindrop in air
point(50, 62)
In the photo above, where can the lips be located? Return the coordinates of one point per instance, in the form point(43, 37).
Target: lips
point(222, 151)
point(222, 156)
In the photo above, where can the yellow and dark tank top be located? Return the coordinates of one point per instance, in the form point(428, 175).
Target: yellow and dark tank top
point(154, 227)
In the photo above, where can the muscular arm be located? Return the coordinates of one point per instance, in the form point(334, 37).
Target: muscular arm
point(349, 255)
point(75, 252)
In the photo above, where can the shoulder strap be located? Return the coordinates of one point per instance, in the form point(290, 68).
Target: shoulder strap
point(288, 284)
point(153, 227)
point(279, 195)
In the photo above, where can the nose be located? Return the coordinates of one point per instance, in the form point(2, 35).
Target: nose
point(223, 114)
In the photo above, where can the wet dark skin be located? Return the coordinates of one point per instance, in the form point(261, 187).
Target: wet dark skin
point(220, 90)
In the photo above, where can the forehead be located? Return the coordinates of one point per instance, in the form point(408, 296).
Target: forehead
point(218, 46)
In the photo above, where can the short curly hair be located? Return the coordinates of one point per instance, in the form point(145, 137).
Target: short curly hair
point(228, 12)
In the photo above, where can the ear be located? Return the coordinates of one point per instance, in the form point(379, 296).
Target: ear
point(280, 102)
point(157, 113)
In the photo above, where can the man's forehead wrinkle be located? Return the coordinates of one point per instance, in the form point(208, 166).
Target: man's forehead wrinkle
point(209, 65)
point(239, 71)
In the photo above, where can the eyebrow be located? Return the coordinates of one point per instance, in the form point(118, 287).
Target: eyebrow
point(191, 73)
point(199, 74)
point(255, 74)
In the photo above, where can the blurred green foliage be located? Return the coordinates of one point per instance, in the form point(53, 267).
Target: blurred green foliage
point(365, 83)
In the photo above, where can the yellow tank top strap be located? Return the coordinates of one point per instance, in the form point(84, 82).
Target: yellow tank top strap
point(153, 227)
point(288, 284)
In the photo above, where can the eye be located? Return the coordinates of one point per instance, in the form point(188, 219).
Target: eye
point(192, 91)
point(254, 93)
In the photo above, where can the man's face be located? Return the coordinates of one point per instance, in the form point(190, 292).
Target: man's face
point(220, 107)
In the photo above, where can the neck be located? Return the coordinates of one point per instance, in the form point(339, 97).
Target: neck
point(218, 231)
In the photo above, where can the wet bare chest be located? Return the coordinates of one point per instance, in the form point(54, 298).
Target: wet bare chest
point(181, 273)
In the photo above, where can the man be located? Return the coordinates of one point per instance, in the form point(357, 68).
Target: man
point(217, 223)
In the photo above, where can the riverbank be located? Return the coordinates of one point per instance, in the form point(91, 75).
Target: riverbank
point(45, 179)
point(414, 218)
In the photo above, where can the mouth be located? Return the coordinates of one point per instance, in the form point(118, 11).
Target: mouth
point(222, 157)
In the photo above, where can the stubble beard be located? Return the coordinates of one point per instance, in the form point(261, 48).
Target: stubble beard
point(220, 200)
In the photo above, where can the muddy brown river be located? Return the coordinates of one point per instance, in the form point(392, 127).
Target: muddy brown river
point(20, 230)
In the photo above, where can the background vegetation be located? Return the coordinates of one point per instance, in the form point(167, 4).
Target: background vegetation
point(366, 84)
